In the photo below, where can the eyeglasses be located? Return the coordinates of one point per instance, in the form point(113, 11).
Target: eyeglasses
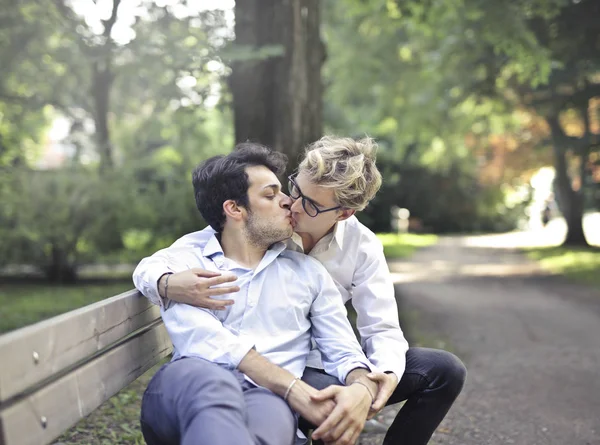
point(309, 206)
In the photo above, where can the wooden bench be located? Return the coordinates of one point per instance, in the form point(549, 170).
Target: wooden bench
point(58, 371)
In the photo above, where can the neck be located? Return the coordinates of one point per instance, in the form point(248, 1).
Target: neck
point(237, 248)
point(310, 240)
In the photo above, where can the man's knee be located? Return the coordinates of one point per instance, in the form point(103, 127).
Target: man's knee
point(442, 369)
point(269, 417)
point(195, 383)
point(452, 371)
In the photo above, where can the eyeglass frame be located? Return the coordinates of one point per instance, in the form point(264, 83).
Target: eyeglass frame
point(292, 183)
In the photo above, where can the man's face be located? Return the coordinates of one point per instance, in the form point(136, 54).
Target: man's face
point(269, 218)
point(322, 198)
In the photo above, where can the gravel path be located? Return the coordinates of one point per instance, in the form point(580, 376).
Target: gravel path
point(531, 343)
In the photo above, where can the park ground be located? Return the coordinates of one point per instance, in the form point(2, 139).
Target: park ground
point(524, 317)
point(527, 330)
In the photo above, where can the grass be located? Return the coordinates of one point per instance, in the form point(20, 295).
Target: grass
point(577, 264)
point(404, 244)
point(25, 303)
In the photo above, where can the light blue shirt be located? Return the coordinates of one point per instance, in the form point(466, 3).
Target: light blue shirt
point(354, 258)
point(281, 302)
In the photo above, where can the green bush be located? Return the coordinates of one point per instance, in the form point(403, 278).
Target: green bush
point(58, 220)
point(443, 201)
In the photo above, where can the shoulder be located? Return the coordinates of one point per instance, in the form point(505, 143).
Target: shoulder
point(194, 239)
point(357, 234)
point(302, 263)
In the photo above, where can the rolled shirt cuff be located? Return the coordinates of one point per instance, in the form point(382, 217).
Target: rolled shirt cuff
point(151, 288)
point(239, 351)
point(347, 368)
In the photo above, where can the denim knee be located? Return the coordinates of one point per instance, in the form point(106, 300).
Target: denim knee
point(453, 372)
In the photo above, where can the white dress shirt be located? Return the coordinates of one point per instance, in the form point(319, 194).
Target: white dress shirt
point(281, 302)
point(354, 258)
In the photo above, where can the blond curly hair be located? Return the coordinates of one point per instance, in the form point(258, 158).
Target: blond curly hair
point(347, 166)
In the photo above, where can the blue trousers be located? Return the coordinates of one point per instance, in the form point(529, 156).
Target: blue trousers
point(193, 401)
point(430, 384)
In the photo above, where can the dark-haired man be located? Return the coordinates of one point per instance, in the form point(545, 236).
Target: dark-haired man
point(234, 370)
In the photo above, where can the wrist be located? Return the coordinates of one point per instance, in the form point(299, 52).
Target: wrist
point(161, 284)
point(371, 395)
point(289, 388)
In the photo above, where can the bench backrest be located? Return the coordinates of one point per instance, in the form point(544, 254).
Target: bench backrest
point(58, 371)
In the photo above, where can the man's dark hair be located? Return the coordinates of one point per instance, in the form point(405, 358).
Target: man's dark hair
point(224, 177)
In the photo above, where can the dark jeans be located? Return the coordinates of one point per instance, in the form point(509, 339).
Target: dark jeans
point(430, 384)
point(192, 401)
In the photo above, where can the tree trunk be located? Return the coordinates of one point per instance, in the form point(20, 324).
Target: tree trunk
point(60, 270)
point(570, 201)
point(101, 85)
point(277, 100)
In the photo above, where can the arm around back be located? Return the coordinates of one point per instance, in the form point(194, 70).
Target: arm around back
point(191, 286)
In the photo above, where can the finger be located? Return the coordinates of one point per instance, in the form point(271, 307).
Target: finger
point(341, 432)
point(379, 402)
point(331, 421)
point(346, 438)
point(382, 397)
point(218, 305)
point(376, 376)
point(220, 280)
point(213, 291)
point(325, 394)
point(204, 273)
point(355, 437)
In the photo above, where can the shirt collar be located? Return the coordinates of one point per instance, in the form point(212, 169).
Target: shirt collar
point(213, 250)
point(212, 247)
point(338, 233)
point(295, 242)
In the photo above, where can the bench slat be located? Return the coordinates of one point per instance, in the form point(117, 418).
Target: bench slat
point(35, 353)
point(63, 402)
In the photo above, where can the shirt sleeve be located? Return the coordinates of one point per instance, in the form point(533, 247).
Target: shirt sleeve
point(150, 269)
point(374, 300)
point(331, 330)
point(197, 332)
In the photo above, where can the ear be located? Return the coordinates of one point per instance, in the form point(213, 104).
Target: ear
point(233, 211)
point(346, 213)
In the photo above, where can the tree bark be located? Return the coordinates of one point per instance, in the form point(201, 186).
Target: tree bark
point(277, 100)
point(102, 80)
point(571, 202)
point(60, 270)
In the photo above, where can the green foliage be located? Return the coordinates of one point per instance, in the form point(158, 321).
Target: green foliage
point(57, 219)
point(403, 245)
point(444, 201)
point(578, 264)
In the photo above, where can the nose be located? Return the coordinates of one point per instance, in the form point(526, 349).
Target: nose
point(296, 205)
point(286, 202)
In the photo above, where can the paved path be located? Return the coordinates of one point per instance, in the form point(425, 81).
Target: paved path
point(531, 343)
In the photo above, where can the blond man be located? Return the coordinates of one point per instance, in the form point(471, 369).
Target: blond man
point(337, 178)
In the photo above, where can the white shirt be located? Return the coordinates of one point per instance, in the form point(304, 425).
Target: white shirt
point(281, 302)
point(354, 258)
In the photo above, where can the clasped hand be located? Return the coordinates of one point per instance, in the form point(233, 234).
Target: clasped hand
point(347, 419)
